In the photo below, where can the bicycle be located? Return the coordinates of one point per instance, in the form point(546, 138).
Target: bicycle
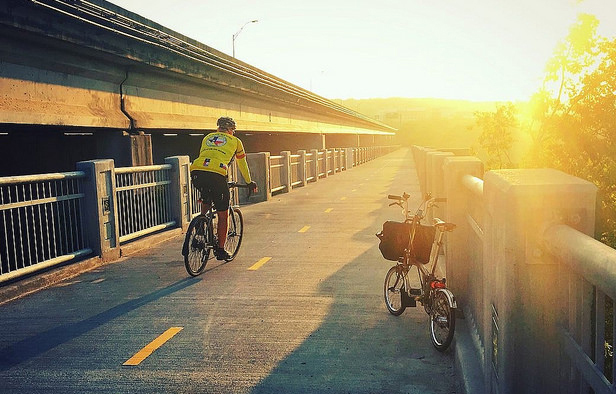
point(201, 239)
point(419, 245)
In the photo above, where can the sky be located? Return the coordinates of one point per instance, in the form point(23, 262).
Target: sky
point(479, 50)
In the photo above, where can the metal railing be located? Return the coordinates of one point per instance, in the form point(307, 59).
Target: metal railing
point(321, 164)
point(41, 222)
point(143, 197)
point(311, 174)
point(296, 177)
point(276, 182)
point(588, 289)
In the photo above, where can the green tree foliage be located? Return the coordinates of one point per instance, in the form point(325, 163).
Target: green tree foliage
point(573, 125)
point(496, 137)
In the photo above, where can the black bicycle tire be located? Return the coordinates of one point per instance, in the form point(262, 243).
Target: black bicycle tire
point(441, 300)
point(386, 292)
point(235, 218)
point(190, 252)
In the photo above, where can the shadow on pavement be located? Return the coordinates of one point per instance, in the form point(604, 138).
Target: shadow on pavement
point(28, 348)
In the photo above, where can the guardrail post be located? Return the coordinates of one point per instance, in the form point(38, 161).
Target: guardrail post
point(435, 175)
point(325, 164)
point(419, 155)
point(315, 163)
point(302, 167)
point(180, 190)
point(259, 164)
point(100, 209)
point(349, 158)
point(522, 296)
point(286, 171)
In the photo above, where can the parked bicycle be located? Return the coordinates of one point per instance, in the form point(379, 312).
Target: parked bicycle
point(411, 243)
point(201, 238)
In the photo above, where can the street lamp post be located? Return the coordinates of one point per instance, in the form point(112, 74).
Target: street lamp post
point(238, 33)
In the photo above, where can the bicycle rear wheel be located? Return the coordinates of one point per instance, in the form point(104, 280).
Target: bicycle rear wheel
point(196, 251)
point(235, 233)
point(442, 322)
point(392, 289)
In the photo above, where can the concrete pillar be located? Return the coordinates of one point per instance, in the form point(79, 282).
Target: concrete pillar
point(325, 163)
point(100, 208)
point(259, 164)
point(464, 251)
point(521, 299)
point(315, 164)
point(127, 150)
point(419, 154)
point(285, 175)
point(436, 175)
point(349, 158)
point(180, 190)
point(302, 167)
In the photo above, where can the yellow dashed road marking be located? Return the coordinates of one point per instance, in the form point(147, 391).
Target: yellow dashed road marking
point(304, 229)
point(328, 210)
point(259, 263)
point(155, 344)
point(343, 198)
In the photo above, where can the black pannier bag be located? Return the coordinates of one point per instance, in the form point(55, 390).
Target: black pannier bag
point(395, 238)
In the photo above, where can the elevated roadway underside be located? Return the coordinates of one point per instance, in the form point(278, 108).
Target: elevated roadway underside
point(90, 67)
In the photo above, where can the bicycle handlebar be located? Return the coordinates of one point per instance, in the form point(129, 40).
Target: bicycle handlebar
point(241, 185)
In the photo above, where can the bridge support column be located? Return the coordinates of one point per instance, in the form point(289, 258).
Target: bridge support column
point(180, 190)
point(259, 164)
point(522, 301)
point(127, 150)
point(100, 208)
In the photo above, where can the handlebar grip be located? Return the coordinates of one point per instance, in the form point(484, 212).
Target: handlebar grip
point(394, 197)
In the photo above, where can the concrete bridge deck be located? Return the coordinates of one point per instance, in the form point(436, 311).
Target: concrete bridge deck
point(311, 319)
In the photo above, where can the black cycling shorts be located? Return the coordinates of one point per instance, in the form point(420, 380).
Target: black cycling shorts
point(213, 188)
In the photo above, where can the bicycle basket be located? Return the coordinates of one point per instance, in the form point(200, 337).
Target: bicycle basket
point(395, 238)
point(422, 243)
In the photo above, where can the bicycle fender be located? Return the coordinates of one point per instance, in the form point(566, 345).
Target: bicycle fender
point(450, 297)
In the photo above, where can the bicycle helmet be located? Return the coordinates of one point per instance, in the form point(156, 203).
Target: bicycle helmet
point(226, 123)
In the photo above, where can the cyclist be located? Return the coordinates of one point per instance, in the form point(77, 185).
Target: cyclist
point(209, 175)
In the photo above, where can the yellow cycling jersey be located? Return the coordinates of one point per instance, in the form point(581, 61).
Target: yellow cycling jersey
point(217, 152)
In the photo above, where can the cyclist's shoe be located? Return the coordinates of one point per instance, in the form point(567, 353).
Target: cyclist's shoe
point(222, 254)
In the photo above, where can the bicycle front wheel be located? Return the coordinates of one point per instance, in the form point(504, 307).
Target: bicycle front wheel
point(392, 289)
point(235, 233)
point(442, 322)
point(196, 251)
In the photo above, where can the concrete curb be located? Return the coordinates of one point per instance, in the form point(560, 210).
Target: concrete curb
point(466, 361)
point(43, 280)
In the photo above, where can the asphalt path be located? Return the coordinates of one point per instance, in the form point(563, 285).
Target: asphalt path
point(300, 310)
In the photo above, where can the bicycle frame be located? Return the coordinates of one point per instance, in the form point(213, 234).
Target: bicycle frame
point(437, 300)
point(426, 272)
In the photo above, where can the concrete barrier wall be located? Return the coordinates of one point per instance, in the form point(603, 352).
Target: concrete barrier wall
point(518, 298)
